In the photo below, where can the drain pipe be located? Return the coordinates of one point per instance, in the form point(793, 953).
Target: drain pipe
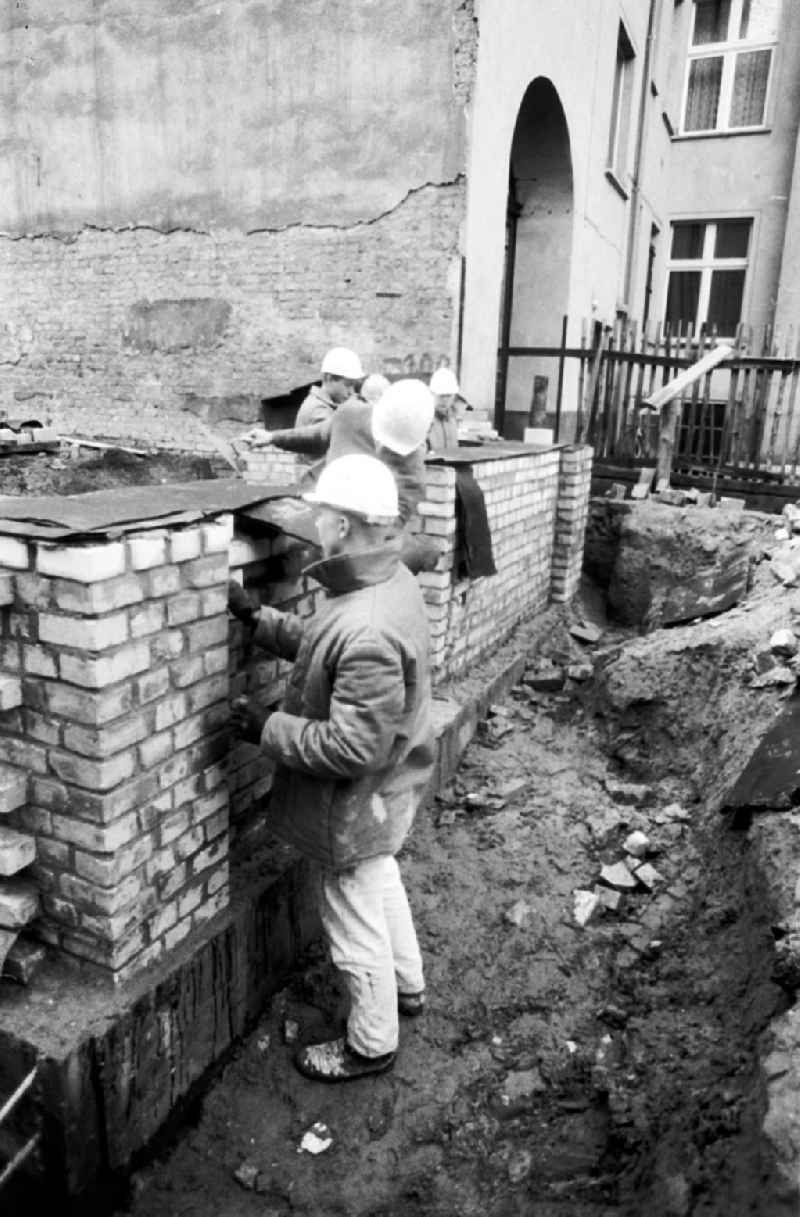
point(639, 153)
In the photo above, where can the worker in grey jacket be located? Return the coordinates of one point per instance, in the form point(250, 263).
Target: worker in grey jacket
point(352, 742)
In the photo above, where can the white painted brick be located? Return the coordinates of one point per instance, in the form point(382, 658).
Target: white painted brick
point(84, 633)
point(82, 563)
point(185, 545)
point(243, 550)
point(147, 551)
point(14, 553)
point(17, 850)
point(13, 788)
point(10, 693)
point(19, 903)
point(217, 536)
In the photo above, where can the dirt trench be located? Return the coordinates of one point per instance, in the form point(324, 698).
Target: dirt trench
point(560, 1071)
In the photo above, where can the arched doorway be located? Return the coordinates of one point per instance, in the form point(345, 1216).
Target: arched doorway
point(538, 257)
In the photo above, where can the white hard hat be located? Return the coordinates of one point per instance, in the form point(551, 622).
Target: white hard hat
point(359, 484)
point(374, 386)
point(402, 417)
point(341, 362)
point(443, 383)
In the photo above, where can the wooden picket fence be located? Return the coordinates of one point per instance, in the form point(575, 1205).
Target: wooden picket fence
point(742, 418)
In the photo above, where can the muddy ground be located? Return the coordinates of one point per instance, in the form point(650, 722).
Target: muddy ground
point(559, 1071)
point(74, 471)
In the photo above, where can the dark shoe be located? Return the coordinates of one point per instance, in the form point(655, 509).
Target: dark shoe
point(411, 1004)
point(336, 1061)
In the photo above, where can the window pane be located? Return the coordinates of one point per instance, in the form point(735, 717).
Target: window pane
point(725, 300)
point(750, 88)
point(711, 21)
point(733, 237)
point(760, 20)
point(683, 292)
point(687, 240)
point(702, 100)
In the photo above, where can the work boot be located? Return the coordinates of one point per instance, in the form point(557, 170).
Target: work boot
point(336, 1061)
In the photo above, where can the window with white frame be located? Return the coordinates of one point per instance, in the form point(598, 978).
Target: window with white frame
point(706, 274)
point(730, 61)
point(621, 99)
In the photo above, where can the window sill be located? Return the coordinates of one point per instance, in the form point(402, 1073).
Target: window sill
point(692, 135)
point(616, 183)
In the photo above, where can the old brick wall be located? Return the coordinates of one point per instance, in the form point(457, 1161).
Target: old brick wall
point(114, 334)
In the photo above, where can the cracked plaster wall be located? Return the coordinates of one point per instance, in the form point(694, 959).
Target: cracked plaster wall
point(266, 178)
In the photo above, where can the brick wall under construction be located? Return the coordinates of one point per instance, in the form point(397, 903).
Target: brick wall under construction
point(122, 799)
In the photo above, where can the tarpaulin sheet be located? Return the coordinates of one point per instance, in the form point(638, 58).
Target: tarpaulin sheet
point(124, 508)
point(289, 515)
point(492, 450)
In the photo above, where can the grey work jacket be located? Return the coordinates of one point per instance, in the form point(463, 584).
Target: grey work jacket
point(353, 737)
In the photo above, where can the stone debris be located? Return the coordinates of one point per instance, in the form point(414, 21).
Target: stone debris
point(783, 642)
point(585, 631)
point(617, 490)
point(519, 1165)
point(633, 793)
point(580, 672)
point(608, 897)
point(648, 875)
point(519, 913)
point(546, 678)
point(782, 534)
point(263, 1044)
point(585, 905)
point(672, 497)
point(791, 515)
point(291, 1030)
point(673, 811)
point(246, 1175)
point(522, 1083)
point(780, 675)
point(730, 504)
point(514, 787)
point(785, 564)
point(617, 875)
point(23, 961)
point(637, 843)
point(316, 1140)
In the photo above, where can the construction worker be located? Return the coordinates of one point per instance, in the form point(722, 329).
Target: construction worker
point(352, 744)
point(444, 429)
point(341, 374)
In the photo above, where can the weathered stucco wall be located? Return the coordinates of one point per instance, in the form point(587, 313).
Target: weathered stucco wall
point(197, 199)
point(193, 113)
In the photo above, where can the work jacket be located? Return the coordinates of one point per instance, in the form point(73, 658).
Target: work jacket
point(443, 433)
point(349, 430)
point(353, 737)
point(312, 425)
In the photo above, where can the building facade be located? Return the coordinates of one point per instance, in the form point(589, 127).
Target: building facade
point(197, 200)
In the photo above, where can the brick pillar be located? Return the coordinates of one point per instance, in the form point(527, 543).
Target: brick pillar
point(572, 512)
point(438, 519)
point(122, 652)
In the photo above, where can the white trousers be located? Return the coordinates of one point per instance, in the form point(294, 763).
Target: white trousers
point(367, 921)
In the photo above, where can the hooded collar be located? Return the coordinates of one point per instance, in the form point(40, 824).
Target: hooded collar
point(348, 572)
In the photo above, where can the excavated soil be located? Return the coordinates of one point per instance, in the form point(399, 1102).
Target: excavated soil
point(53, 473)
point(560, 1070)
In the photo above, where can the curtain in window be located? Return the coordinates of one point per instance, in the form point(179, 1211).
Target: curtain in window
point(702, 99)
point(750, 88)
